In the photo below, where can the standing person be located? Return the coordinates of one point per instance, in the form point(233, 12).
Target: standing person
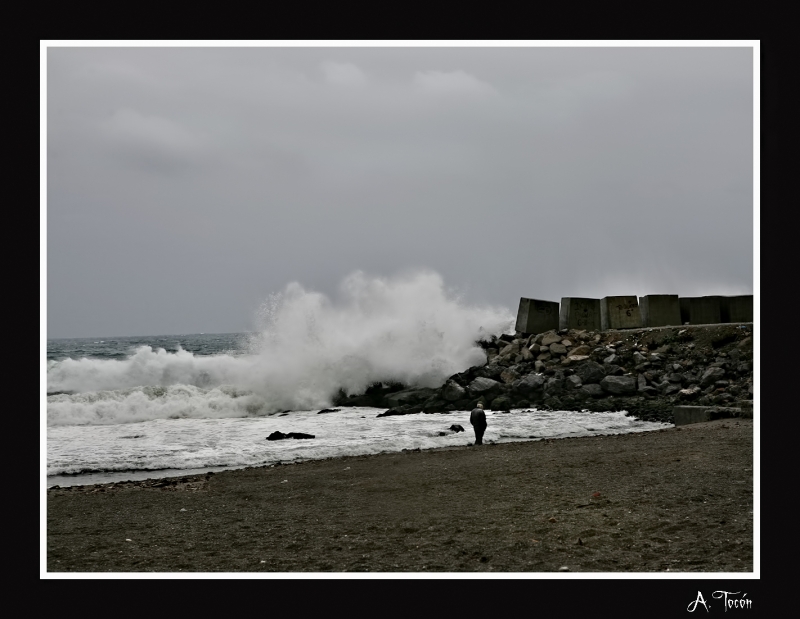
point(478, 420)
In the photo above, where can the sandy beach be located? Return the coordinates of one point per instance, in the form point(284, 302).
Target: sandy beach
point(679, 499)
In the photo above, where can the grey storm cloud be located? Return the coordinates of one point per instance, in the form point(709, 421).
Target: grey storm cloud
point(185, 185)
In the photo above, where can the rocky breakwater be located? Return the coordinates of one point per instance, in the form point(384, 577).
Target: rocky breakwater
point(645, 372)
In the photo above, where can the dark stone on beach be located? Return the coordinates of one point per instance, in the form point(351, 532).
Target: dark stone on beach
point(408, 397)
point(552, 403)
point(489, 371)
point(279, 436)
point(452, 391)
point(711, 375)
point(593, 390)
point(590, 372)
point(358, 400)
point(483, 385)
point(619, 385)
point(390, 412)
point(531, 382)
point(375, 395)
point(501, 403)
point(434, 405)
point(554, 386)
point(456, 428)
point(329, 410)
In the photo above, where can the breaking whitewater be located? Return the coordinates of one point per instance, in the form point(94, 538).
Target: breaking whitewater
point(138, 407)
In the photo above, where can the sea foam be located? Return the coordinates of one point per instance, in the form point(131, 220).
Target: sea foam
point(407, 329)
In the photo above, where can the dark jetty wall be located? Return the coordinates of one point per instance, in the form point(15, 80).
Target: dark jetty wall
point(643, 371)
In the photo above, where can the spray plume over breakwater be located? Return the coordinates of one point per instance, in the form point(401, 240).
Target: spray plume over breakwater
point(407, 330)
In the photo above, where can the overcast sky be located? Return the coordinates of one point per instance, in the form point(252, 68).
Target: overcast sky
point(184, 185)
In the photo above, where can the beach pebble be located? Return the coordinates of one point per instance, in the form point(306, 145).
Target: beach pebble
point(183, 509)
point(128, 540)
point(563, 568)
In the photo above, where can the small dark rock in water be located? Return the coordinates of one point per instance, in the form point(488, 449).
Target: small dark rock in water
point(456, 428)
point(277, 436)
point(329, 410)
point(442, 433)
point(390, 412)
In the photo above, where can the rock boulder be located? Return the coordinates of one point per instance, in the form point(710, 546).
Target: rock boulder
point(619, 385)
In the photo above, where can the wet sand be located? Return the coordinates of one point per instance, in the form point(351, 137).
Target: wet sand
point(679, 499)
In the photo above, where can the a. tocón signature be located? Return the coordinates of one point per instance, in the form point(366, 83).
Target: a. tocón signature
point(729, 602)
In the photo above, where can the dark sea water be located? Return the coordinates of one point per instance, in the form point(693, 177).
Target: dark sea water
point(123, 347)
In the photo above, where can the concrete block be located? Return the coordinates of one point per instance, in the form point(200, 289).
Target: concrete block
point(620, 313)
point(536, 316)
point(683, 415)
point(579, 313)
point(702, 310)
point(660, 310)
point(685, 303)
point(746, 407)
point(736, 309)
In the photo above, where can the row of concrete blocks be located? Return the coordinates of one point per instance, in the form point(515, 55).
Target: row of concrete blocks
point(628, 312)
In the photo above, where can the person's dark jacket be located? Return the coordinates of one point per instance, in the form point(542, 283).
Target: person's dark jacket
point(477, 417)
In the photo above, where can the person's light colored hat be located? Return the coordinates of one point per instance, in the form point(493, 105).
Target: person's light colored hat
point(480, 405)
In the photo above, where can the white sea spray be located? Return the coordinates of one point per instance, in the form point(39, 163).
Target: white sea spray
point(406, 329)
